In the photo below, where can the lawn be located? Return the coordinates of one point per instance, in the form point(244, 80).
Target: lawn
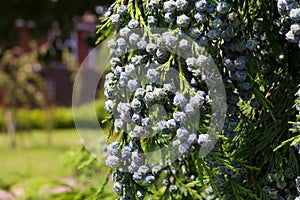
point(35, 162)
point(35, 156)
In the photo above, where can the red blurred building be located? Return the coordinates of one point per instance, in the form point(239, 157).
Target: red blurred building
point(57, 74)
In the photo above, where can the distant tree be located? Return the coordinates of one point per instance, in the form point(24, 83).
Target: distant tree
point(21, 85)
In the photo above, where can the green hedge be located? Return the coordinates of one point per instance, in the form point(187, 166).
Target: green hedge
point(58, 117)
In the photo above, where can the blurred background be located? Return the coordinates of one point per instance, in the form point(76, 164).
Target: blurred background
point(42, 45)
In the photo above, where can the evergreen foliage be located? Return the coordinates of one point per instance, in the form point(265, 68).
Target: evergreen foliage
point(254, 46)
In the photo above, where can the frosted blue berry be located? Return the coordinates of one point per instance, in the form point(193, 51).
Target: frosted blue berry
point(137, 157)
point(112, 44)
point(119, 125)
point(297, 181)
point(140, 194)
point(273, 193)
point(182, 133)
point(233, 98)
point(189, 109)
point(118, 70)
point(143, 169)
point(149, 88)
point(119, 52)
point(194, 32)
point(241, 62)
point(240, 76)
point(114, 61)
point(222, 7)
point(210, 8)
point(182, 5)
point(192, 138)
point(228, 33)
point(146, 121)
point(115, 145)
point(152, 20)
point(200, 17)
point(228, 64)
point(169, 6)
point(116, 19)
point(150, 179)
point(266, 188)
point(132, 85)
point(162, 126)
point(172, 188)
point(203, 138)
point(116, 176)
point(125, 32)
point(122, 10)
point(126, 152)
point(191, 63)
point(153, 75)
point(169, 17)
point(134, 39)
point(109, 106)
point(124, 108)
point(169, 88)
point(137, 60)
point(197, 101)
point(139, 93)
point(159, 94)
point(161, 53)
point(281, 6)
point(133, 23)
point(183, 147)
point(240, 46)
point(289, 173)
point(217, 24)
point(202, 41)
point(118, 188)
point(134, 144)
point(251, 44)
point(123, 80)
point(112, 161)
point(108, 12)
point(180, 100)
point(183, 21)
point(142, 44)
point(291, 37)
point(152, 5)
point(165, 182)
point(280, 184)
point(122, 43)
point(130, 70)
point(201, 5)
point(137, 132)
point(183, 44)
point(136, 105)
point(295, 14)
point(156, 169)
point(295, 28)
point(170, 39)
point(136, 118)
point(151, 48)
point(171, 124)
point(137, 176)
point(213, 34)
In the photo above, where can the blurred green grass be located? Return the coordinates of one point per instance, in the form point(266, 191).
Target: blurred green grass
point(36, 164)
point(35, 156)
